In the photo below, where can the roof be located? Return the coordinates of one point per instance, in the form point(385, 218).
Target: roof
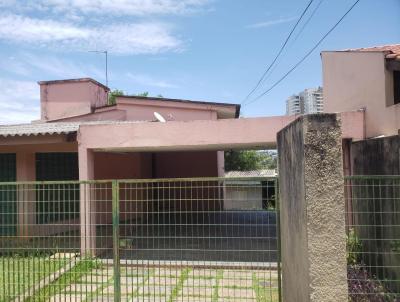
point(391, 51)
point(162, 99)
point(74, 81)
point(40, 128)
point(255, 173)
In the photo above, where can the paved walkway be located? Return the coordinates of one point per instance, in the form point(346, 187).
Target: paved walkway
point(174, 284)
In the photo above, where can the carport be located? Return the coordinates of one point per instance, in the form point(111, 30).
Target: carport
point(160, 200)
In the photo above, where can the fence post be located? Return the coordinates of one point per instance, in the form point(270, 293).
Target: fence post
point(116, 261)
point(278, 237)
point(312, 210)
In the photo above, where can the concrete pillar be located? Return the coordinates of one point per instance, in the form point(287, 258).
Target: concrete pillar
point(26, 197)
point(87, 202)
point(312, 210)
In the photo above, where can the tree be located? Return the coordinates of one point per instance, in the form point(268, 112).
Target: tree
point(112, 96)
point(249, 160)
point(143, 94)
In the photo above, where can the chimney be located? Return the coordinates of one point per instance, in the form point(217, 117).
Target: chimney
point(68, 98)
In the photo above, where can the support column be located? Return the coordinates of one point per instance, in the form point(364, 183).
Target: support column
point(312, 210)
point(87, 203)
point(26, 197)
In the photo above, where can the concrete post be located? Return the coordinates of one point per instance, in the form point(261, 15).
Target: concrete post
point(26, 197)
point(87, 204)
point(312, 210)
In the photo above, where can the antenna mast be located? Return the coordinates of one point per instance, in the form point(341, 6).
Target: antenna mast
point(106, 57)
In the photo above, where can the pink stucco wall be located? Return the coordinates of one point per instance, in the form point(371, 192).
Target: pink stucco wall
point(198, 135)
point(354, 80)
point(62, 99)
point(141, 113)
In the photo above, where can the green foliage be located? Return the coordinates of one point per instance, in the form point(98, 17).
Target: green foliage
point(354, 248)
point(113, 94)
point(116, 92)
point(395, 246)
point(143, 94)
point(249, 160)
point(82, 267)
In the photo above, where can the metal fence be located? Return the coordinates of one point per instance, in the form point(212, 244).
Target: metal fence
point(373, 240)
point(207, 239)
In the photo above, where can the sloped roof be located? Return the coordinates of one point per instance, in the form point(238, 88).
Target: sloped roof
point(392, 51)
point(255, 173)
point(35, 129)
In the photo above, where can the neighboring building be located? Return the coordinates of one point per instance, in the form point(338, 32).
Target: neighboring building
point(306, 102)
point(312, 100)
point(366, 79)
point(248, 192)
point(294, 105)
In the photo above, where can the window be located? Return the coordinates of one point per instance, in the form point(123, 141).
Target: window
point(8, 195)
point(57, 202)
point(396, 86)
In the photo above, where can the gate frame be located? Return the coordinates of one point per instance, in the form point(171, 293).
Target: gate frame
point(116, 222)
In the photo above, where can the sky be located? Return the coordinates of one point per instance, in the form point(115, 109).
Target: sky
point(206, 50)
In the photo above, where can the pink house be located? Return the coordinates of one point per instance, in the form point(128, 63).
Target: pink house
point(81, 137)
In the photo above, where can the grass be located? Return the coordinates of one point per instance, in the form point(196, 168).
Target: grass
point(18, 273)
point(215, 295)
point(82, 268)
point(184, 275)
point(264, 294)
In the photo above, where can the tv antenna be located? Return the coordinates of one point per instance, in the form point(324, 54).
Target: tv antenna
point(105, 52)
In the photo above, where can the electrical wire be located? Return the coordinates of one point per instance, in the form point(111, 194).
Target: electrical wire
point(280, 51)
point(305, 57)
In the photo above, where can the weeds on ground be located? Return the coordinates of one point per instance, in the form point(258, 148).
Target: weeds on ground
point(81, 268)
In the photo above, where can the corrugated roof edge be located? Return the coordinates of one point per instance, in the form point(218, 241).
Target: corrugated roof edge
point(36, 129)
point(237, 106)
point(74, 80)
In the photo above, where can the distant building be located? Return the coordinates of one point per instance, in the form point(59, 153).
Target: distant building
point(308, 101)
point(245, 190)
point(294, 105)
point(313, 100)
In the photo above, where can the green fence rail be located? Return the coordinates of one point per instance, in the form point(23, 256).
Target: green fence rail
point(199, 239)
point(373, 237)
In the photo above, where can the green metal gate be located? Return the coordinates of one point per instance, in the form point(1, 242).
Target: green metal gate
point(203, 239)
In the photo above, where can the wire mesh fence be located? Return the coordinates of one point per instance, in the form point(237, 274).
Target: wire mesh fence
point(140, 240)
point(373, 240)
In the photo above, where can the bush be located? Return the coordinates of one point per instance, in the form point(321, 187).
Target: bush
point(364, 288)
point(354, 248)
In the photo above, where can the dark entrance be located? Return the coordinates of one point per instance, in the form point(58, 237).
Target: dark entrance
point(8, 205)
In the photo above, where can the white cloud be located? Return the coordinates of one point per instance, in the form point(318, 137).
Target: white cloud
point(124, 7)
point(61, 68)
point(271, 22)
point(126, 38)
point(147, 80)
point(19, 101)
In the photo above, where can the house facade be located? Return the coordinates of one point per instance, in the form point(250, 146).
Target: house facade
point(365, 79)
point(81, 137)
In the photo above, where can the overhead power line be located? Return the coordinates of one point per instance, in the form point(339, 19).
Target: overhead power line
point(307, 21)
point(305, 56)
point(280, 51)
